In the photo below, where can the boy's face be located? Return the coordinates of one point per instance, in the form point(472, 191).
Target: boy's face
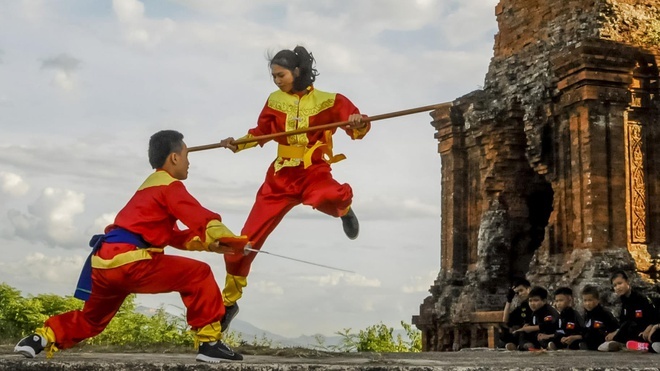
point(589, 302)
point(535, 303)
point(563, 301)
point(620, 285)
point(180, 163)
point(522, 291)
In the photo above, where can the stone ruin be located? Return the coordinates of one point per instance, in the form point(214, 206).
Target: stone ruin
point(550, 171)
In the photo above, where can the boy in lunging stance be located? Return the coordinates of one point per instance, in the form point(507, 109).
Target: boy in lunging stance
point(129, 258)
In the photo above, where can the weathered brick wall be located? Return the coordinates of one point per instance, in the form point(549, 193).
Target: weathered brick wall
point(550, 171)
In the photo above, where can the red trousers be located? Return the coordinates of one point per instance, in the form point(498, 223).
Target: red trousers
point(164, 273)
point(279, 193)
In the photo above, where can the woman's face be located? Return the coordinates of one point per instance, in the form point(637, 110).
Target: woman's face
point(282, 77)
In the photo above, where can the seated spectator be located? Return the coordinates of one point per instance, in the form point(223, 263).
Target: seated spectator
point(542, 320)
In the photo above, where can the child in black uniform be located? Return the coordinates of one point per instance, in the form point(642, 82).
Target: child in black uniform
point(542, 320)
point(598, 321)
point(515, 319)
point(637, 316)
point(568, 329)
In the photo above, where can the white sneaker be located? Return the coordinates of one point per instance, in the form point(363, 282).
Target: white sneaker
point(610, 346)
point(656, 347)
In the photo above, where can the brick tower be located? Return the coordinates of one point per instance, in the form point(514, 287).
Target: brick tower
point(551, 171)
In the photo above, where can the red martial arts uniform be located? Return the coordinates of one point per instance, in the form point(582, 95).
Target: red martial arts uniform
point(120, 269)
point(300, 174)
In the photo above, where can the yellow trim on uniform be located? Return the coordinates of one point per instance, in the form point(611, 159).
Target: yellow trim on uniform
point(215, 230)
point(208, 333)
point(291, 151)
point(233, 289)
point(360, 133)
point(124, 258)
point(243, 146)
point(305, 154)
point(298, 110)
point(159, 178)
point(48, 334)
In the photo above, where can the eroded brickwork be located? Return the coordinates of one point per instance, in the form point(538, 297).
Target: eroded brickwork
point(550, 171)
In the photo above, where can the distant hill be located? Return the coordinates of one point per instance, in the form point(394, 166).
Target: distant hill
point(249, 332)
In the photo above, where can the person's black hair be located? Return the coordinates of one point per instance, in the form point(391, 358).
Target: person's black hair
point(521, 282)
point(162, 144)
point(539, 292)
point(621, 274)
point(591, 290)
point(299, 58)
point(564, 291)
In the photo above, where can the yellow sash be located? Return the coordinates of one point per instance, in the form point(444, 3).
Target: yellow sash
point(305, 154)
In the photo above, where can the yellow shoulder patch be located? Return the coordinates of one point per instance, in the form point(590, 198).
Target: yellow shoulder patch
point(159, 178)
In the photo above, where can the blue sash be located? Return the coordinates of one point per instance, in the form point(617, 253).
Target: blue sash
point(117, 235)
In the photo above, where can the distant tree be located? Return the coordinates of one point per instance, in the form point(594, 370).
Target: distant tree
point(20, 316)
point(376, 338)
point(348, 342)
point(14, 314)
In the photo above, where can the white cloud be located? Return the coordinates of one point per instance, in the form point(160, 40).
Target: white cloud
point(100, 223)
point(466, 23)
point(343, 279)
point(381, 208)
point(266, 287)
point(64, 67)
point(50, 218)
point(84, 159)
point(128, 11)
point(38, 267)
point(138, 29)
point(33, 10)
point(13, 184)
point(419, 283)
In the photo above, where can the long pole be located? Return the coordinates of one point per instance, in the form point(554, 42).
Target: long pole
point(323, 127)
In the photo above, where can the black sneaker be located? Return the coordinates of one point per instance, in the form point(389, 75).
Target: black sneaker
point(215, 352)
point(30, 346)
point(350, 224)
point(230, 313)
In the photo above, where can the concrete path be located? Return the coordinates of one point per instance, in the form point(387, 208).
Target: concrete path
point(475, 359)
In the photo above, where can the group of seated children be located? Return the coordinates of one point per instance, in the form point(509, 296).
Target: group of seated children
point(534, 324)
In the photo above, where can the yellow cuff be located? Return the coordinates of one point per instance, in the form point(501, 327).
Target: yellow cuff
point(360, 133)
point(246, 145)
point(215, 230)
point(208, 333)
point(48, 334)
point(233, 289)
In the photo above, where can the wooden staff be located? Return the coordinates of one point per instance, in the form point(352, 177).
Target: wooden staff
point(323, 127)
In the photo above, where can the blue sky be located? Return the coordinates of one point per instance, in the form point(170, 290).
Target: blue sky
point(84, 84)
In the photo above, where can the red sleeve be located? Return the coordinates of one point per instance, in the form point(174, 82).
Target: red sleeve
point(179, 238)
point(184, 207)
point(266, 124)
point(343, 108)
